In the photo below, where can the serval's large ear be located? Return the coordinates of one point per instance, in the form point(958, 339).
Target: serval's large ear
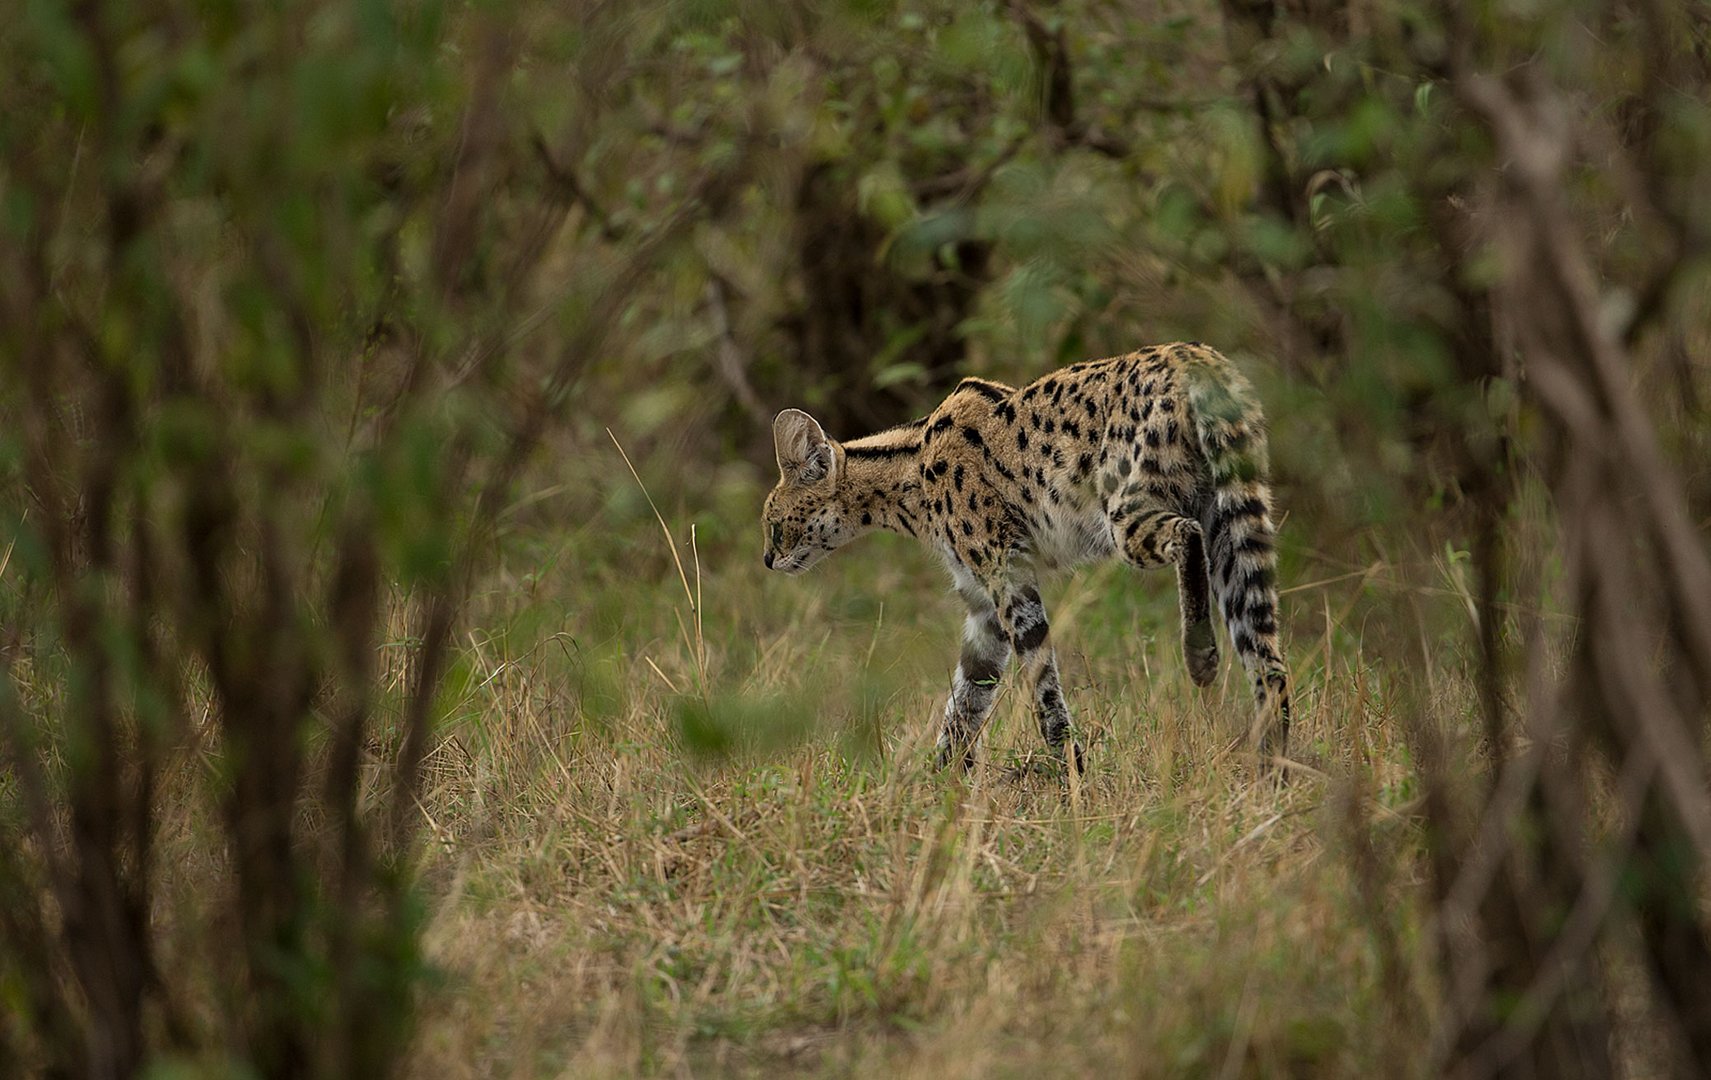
point(804, 452)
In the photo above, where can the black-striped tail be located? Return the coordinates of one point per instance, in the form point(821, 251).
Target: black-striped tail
point(1240, 541)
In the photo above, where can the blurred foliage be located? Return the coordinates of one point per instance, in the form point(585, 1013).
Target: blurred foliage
point(291, 292)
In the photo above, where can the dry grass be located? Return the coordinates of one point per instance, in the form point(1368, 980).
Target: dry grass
point(708, 841)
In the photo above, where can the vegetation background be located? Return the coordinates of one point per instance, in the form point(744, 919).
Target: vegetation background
point(393, 685)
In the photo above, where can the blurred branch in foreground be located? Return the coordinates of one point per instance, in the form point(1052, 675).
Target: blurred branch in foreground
point(1531, 997)
point(266, 399)
point(1639, 578)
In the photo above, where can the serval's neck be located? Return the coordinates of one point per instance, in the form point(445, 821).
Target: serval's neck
point(882, 478)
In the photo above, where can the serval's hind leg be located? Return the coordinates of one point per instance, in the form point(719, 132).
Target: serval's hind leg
point(1154, 537)
point(1194, 591)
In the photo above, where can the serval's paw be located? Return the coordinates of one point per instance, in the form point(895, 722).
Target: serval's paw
point(1200, 648)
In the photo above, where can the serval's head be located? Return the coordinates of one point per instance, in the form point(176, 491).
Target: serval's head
point(804, 519)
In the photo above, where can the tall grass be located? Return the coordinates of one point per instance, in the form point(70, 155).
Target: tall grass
point(635, 877)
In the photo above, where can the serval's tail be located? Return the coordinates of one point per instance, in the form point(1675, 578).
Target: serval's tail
point(1240, 550)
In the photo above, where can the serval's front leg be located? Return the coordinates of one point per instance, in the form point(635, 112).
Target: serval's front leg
point(974, 687)
point(1023, 615)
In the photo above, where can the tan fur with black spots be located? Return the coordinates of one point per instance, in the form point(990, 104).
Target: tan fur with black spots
point(1157, 457)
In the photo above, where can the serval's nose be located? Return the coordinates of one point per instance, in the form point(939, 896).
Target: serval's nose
point(767, 559)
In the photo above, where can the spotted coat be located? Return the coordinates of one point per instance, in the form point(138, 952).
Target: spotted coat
point(1156, 457)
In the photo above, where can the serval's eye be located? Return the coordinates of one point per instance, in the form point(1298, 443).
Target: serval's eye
point(778, 536)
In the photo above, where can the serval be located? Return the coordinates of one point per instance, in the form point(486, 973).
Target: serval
point(1157, 457)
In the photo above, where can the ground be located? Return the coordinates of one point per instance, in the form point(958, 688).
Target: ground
point(681, 841)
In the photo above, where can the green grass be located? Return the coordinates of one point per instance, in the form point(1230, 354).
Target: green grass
point(710, 841)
